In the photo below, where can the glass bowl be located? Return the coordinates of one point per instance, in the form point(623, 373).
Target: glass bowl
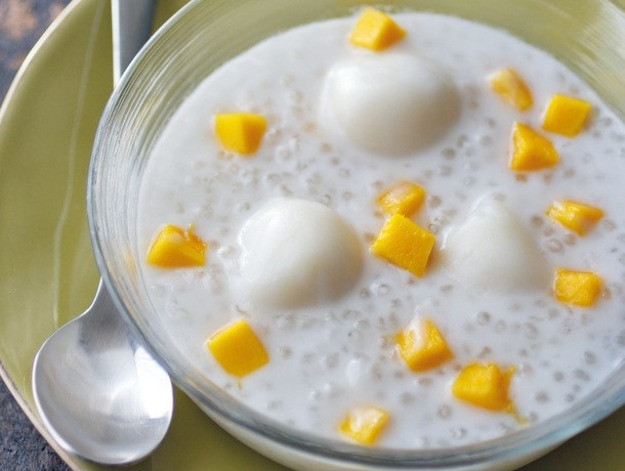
point(587, 36)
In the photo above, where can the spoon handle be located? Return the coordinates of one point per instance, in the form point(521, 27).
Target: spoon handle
point(132, 25)
point(104, 326)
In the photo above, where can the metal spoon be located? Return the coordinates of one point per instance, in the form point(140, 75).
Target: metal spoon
point(99, 392)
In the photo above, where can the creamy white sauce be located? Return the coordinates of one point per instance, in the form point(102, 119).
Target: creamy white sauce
point(339, 353)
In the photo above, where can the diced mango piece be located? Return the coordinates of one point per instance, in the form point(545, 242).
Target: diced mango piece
point(364, 424)
point(530, 150)
point(422, 346)
point(566, 115)
point(404, 198)
point(240, 132)
point(237, 349)
point(578, 288)
point(375, 30)
point(486, 386)
point(512, 89)
point(578, 217)
point(404, 244)
point(174, 247)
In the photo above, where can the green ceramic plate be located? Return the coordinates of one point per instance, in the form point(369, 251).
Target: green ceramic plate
point(47, 271)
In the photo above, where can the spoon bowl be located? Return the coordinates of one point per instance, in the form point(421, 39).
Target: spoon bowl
point(99, 392)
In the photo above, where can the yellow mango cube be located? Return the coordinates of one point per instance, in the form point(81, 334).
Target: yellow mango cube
point(512, 89)
point(364, 424)
point(237, 349)
point(174, 247)
point(404, 244)
point(375, 30)
point(240, 132)
point(566, 115)
point(422, 346)
point(404, 198)
point(578, 288)
point(530, 150)
point(486, 386)
point(578, 217)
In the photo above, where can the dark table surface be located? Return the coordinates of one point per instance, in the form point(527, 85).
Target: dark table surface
point(22, 22)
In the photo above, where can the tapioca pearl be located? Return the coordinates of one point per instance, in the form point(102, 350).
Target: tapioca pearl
point(381, 324)
point(548, 231)
point(436, 224)
point(532, 417)
point(284, 190)
point(308, 358)
point(396, 304)
point(345, 172)
point(427, 174)
point(285, 351)
point(483, 317)
point(500, 327)
point(407, 398)
point(530, 331)
point(486, 140)
point(325, 199)
point(312, 191)
point(283, 154)
point(554, 246)
point(448, 153)
point(468, 328)
point(446, 289)
point(422, 382)
point(273, 179)
point(243, 207)
point(286, 322)
point(434, 201)
point(609, 225)
point(330, 361)
point(568, 173)
point(461, 141)
point(485, 353)
point(394, 322)
point(458, 433)
point(541, 397)
point(569, 239)
point(536, 221)
point(582, 375)
point(590, 358)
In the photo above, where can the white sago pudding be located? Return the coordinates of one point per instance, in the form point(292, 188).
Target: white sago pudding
point(395, 230)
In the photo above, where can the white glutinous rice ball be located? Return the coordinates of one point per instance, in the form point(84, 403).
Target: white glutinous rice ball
point(297, 253)
point(391, 103)
point(492, 251)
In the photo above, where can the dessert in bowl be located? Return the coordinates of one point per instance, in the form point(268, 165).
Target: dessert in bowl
point(382, 237)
